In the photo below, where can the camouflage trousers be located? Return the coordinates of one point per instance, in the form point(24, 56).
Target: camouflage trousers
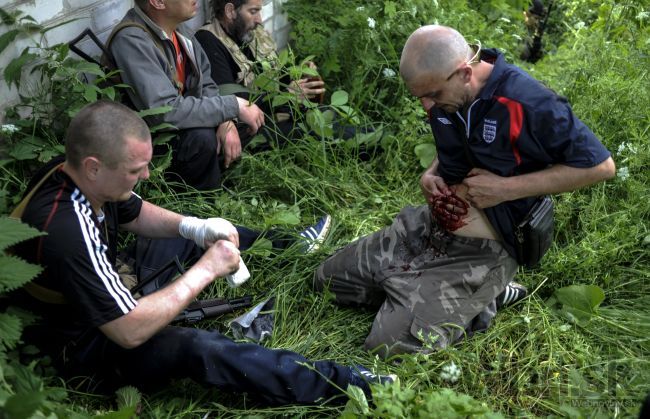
point(431, 287)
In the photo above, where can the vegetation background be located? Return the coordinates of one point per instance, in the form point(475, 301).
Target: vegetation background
point(578, 347)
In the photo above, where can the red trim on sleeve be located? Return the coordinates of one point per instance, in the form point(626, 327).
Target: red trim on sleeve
point(55, 206)
point(516, 112)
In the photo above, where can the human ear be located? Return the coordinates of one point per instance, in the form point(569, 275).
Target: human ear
point(91, 166)
point(230, 11)
point(466, 73)
point(157, 4)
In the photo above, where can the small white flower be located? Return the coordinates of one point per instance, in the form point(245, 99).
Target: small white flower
point(564, 328)
point(9, 128)
point(623, 173)
point(579, 25)
point(371, 23)
point(526, 319)
point(621, 147)
point(360, 9)
point(450, 372)
point(414, 11)
point(388, 72)
point(504, 19)
point(643, 16)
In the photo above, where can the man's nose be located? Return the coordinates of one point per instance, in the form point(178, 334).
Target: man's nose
point(145, 174)
point(258, 19)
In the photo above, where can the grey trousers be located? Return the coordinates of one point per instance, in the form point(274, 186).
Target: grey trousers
point(431, 287)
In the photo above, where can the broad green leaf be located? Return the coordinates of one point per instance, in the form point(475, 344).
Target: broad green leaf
point(26, 380)
point(164, 138)
point(317, 123)
point(426, 154)
point(155, 111)
point(25, 151)
point(10, 329)
point(284, 218)
point(46, 155)
point(161, 127)
point(357, 404)
point(283, 57)
point(15, 272)
point(262, 247)
point(579, 302)
point(109, 92)
point(308, 71)
point(266, 83)
point(23, 405)
point(90, 68)
point(279, 100)
point(7, 38)
point(14, 69)
point(90, 93)
point(8, 18)
point(339, 98)
point(13, 231)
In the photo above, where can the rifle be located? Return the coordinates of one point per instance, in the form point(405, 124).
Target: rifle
point(200, 309)
point(205, 309)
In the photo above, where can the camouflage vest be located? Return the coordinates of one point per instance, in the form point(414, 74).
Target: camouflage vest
point(262, 46)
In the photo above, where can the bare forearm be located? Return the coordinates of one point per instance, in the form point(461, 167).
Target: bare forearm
point(155, 222)
point(557, 179)
point(486, 189)
point(157, 310)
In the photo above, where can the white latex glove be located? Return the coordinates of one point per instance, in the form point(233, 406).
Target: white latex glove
point(205, 232)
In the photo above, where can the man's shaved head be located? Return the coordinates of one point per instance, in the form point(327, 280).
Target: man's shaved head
point(100, 130)
point(432, 49)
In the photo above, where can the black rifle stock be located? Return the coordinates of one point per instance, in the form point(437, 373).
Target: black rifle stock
point(205, 309)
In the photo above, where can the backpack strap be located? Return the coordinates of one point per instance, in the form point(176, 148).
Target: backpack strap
point(17, 213)
point(39, 292)
point(108, 61)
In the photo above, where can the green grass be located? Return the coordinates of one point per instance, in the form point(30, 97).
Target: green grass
point(534, 360)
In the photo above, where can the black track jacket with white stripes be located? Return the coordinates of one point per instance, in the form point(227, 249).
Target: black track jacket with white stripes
point(78, 255)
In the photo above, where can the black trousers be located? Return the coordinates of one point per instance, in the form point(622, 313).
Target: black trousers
point(195, 160)
point(274, 377)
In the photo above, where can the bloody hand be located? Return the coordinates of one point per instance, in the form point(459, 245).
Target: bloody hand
point(449, 211)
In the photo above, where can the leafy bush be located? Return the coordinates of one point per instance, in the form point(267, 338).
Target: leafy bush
point(52, 88)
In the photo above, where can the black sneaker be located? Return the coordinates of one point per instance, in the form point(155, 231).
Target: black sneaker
point(316, 234)
point(514, 292)
point(362, 377)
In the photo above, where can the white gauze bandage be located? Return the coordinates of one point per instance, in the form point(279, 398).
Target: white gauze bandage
point(205, 230)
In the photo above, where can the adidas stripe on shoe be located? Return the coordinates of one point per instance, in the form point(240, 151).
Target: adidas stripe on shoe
point(513, 293)
point(316, 234)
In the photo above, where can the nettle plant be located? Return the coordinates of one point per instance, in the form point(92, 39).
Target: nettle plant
point(52, 87)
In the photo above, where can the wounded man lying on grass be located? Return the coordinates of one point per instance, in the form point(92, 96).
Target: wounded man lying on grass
point(503, 140)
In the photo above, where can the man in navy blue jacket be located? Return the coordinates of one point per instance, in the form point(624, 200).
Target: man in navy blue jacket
point(502, 140)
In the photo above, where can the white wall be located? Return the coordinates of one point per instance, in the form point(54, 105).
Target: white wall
point(100, 16)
